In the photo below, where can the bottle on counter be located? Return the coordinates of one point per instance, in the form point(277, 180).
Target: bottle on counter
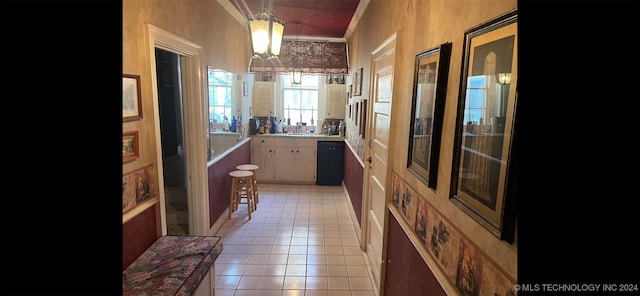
point(225, 124)
point(273, 126)
point(232, 127)
point(238, 126)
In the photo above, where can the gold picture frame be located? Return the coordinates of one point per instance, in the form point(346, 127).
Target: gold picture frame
point(131, 98)
point(483, 181)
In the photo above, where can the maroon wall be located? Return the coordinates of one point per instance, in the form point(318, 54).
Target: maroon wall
point(407, 273)
point(138, 234)
point(220, 182)
point(352, 176)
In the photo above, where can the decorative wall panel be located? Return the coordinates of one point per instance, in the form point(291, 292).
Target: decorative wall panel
point(310, 56)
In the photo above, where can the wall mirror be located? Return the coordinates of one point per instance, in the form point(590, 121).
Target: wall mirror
point(225, 120)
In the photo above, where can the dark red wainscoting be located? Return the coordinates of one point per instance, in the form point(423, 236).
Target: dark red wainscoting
point(407, 273)
point(138, 234)
point(220, 182)
point(352, 177)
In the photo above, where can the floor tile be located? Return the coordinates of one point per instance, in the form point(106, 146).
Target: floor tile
point(301, 241)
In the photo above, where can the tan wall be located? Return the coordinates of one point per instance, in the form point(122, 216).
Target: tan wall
point(421, 25)
point(224, 42)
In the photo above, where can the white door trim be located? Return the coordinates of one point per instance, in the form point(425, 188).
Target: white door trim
point(193, 90)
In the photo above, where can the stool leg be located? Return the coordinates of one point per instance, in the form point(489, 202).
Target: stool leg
point(249, 195)
point(255, 189)
point(232, 197)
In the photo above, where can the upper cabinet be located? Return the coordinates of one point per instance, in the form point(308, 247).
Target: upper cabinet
point(263, 98)
point(336, 100)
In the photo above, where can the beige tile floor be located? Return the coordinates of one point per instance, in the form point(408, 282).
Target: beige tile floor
point(300, 241)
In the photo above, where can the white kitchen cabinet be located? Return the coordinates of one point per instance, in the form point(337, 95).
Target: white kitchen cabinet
point(263, 151)
point(336, 101)
point(296, 160)
point(296, 164)
point(263, 98)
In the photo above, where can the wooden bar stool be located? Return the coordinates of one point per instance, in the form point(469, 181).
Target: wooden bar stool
point(253, 168)
point(241, 189)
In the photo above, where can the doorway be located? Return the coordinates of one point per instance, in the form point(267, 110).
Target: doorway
point(192, 85)
point(174, 167)
point(377, 165)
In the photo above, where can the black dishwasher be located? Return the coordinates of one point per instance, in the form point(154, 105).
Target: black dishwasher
point(330, 163)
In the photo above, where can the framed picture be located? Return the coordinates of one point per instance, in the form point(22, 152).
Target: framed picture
point(138, 187)
point(130, 146)
point(363, 118)
point(427, 110)
point(356, 113)
point(131, 98)
point(483, 177)
point(357, 80)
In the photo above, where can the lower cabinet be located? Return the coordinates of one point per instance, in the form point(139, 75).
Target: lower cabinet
point(263, 155)
point(296, 164)
point(282, 159)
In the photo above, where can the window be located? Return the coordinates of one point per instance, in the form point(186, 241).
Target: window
point(301, 100)
point(220, 102)
point(475, 106)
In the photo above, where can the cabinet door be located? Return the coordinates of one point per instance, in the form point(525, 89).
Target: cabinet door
point(263, 153)
point(263, 98)
point(305, 164)
point(267, 171)
point(336, 100)
point(285, 159)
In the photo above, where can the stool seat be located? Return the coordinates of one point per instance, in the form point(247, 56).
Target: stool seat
point(242, 188)
point(241, 174)
point(247, 167)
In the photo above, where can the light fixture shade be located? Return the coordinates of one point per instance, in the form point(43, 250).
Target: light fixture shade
point(504, 78)
point(296, 76)
point(266, 33)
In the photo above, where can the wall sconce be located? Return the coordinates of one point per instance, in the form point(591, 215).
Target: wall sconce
point(504, 78)
point(266, 33)
point(296, 72)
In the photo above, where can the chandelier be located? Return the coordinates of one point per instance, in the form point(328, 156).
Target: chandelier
point(266, 33)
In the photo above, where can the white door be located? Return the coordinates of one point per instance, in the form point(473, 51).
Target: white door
point(376, 155)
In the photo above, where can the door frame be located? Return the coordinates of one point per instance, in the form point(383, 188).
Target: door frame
point(388, 45)
point(193, 101)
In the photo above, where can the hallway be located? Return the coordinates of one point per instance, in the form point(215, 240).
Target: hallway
point(300, 241)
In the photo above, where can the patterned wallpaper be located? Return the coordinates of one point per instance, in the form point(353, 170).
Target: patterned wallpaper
point(466, 266)
point(311, 57)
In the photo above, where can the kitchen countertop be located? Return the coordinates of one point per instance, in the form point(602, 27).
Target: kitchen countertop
point(172, 265)
point(303, 135)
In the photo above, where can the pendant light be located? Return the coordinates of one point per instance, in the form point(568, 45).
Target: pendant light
point(296, 72)
point(266, 33)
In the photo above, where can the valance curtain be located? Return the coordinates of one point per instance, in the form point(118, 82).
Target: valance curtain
point(312, 57)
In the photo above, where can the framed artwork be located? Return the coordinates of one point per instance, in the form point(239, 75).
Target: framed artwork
point(130, 150)
point(427, 111)
point(355, 113)
point(131, 98)
point(363, 118)
point(137, 187)
point(357, 80)
point(483, 177)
